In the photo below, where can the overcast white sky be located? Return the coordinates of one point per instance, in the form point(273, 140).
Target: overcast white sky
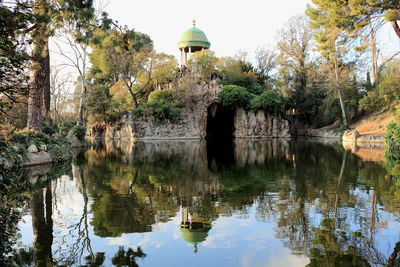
point(230, 26)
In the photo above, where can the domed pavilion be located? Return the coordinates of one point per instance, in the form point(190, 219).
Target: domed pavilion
point(192, 40)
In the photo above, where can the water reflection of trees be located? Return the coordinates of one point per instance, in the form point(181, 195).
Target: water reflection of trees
point(325, 203)
point(286, 183)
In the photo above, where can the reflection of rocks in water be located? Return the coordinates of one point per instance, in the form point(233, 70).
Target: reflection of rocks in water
point(220, 153)
point(191, 154)
point(37, 175)
point(249, 152)
point(367, 151)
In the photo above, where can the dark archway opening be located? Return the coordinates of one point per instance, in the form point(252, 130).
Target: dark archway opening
point(220, 128)
point(220, 121)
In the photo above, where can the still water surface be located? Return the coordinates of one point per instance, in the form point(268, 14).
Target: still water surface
point(189, 203)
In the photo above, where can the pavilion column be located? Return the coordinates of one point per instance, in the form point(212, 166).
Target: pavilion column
point(190, 52)
point(185, 57)
point(183, 61)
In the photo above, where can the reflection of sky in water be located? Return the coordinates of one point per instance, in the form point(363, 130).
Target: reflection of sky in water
point(232, 241)
point(242, 239)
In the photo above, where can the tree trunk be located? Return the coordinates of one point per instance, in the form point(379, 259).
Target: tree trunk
point(42, 224)
point(344, 117)
point(39, 70)
point(55, 112)
point(396, 28)
point(38, 77)
point(81, 113)
point(46, 86)
point(374, 52)
point(135, 102)
point(337, 85)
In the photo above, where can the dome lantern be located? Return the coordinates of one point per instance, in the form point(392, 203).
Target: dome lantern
point(192, 40)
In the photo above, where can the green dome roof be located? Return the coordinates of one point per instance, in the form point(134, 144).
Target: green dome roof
point(194, 37)
point(195, 236)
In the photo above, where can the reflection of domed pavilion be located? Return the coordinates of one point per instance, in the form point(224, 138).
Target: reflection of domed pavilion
point(192, 40)
point(194, 230)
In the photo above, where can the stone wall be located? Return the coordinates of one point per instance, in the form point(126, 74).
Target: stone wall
point(192, 123)
point(258, 124)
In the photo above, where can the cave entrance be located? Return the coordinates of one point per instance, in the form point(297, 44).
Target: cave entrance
point(220, 122)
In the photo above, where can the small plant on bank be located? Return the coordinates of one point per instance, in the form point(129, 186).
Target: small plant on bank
point(64, 127)
point(57, 146)
point(79, 131)
point(48, 126)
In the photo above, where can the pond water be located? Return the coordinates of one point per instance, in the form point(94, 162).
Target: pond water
point(193, 203)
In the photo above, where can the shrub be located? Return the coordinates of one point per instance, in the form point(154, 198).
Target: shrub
point(392, 148)
point(10, 155)
point(161, 95)
point(27, 137)
point(255, 88)
point(160, 106)
point(203, 63)
point(79, 131)
point(64, 127)
point(48, 126)
point(269, 101)
point(161, 111)
point(57, 146)
point(373, 101)
point(233, 95)
point(138, 112)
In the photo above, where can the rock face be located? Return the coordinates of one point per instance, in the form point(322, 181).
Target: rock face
point(353, 136)
point(75, 142)
point(323, 133)
point(258, 124)
point(38, 158)
point(192, 123)
point(32, 149)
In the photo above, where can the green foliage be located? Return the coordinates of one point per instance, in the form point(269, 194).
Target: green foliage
point(58, 146)
point(48, 126)
point(10, 159)
point(389, 87)
point(235, 96)
point(373, 101)
point(65, 126)
point(161, 95)
point(27, 137)
point(59, 149)
point(392, 148)
point(127, 258)
point(203, 63)
point(160, 110)
point(79, 131)
point(269, 101)
point(237, 72)
point(386, 92)
point(99, 104)
point(16, 18)
point(161, 106)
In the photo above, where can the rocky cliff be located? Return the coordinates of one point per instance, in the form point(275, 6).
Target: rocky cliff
point(192, 124)
point(248, 124)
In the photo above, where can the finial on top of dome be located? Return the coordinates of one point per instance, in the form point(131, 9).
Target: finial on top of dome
point(194, 23)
